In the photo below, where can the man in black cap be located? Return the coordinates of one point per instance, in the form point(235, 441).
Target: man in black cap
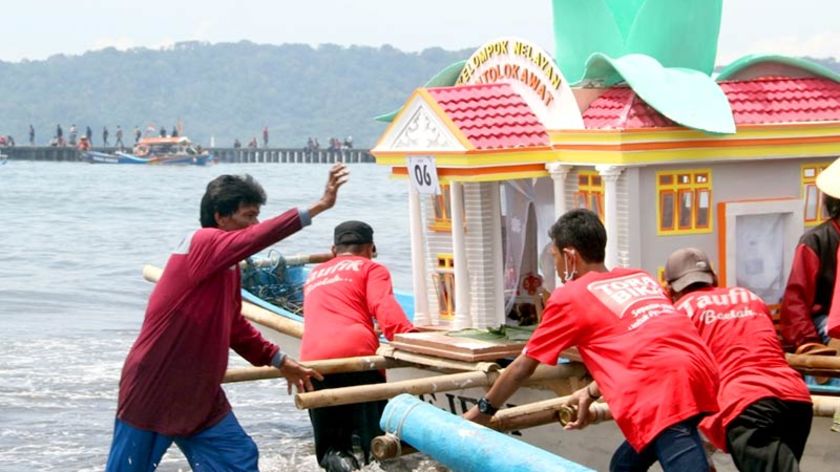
point(341, 299)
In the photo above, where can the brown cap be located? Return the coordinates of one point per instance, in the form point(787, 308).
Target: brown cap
point(688, 266)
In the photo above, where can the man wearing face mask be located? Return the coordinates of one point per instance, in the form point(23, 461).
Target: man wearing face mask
point(646, 358)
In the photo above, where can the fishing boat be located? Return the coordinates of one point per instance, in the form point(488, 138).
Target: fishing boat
point(155, 151)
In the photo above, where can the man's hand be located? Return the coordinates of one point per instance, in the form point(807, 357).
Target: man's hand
point(339, 174)
point(477, 417)
point(582, 399)
point(298, 375)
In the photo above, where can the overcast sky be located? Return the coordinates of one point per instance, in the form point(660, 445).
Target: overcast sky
point(37, 29)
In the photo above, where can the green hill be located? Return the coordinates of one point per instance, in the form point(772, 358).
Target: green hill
point(228, 90)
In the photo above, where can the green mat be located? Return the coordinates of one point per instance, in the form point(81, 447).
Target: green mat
point(501, 334)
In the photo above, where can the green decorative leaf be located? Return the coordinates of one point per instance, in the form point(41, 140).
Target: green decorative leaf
point(686, 96)
point(796, 62)
point(678, 33)
point(581, 29)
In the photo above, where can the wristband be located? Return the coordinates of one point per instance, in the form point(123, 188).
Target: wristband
point(278, 359)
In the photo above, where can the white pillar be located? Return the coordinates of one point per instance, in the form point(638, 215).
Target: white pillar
point(459, 258)
point(499, 263)
point(418, 262)
point(558, 173)
point(610, 175)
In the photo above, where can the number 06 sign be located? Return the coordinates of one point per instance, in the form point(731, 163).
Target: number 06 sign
point(423, 175)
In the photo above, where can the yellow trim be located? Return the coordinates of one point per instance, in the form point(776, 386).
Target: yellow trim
point(615, 137)
point(476, 158)
point(806, 181)
point(482, 177)
point(675, 188)
point(672, 156)
point(442, 224)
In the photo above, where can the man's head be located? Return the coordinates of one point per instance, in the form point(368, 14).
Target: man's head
point(231, 202)
point(578, 237)
point(354, 237)
point(688, 269)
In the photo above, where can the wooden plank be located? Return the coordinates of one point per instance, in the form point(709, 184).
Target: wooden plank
point(451, 347)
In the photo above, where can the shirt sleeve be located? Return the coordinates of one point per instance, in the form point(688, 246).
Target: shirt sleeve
point(795, 322)
point(557, 331)
point(383, 304)
point(246, 341)
point(212, 250)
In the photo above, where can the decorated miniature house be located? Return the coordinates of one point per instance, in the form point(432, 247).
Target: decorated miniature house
point(667, 156)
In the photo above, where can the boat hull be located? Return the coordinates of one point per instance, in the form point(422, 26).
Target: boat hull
point(95, 157)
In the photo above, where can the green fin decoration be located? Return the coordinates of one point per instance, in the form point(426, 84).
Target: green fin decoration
point(677, 33)
point(686, 96)
point(796, 62)
point(445, 78)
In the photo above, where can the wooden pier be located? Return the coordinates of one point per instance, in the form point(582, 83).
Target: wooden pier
point(227, 155)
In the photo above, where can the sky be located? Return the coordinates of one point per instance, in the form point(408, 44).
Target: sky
point(37, 29)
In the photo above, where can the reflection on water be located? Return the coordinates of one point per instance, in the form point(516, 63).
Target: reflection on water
point(73, 240)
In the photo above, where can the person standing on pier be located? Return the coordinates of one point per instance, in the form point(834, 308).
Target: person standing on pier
point(137, 134)
point(170, 388)
point(265, 136)
point(31, 135)
point(341, 299)
point(59, 134)
point(647, 359)
point(119, 136)
point(765, 407)
point(89, 135)
point(104, 135)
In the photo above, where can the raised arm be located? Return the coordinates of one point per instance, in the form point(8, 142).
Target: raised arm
point(339, 173)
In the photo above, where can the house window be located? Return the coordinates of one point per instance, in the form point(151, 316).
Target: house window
point(442, 206)
point(684, 201)
point(590, 193)
point(444, 278)
point(811, 195)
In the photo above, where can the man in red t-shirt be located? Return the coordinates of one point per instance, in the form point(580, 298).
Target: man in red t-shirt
point(341, 300)
point(170, 388)
point(648, 361)
point(765, 407)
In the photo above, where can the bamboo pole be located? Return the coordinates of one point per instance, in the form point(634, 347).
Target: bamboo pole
point(825, 406)
point(327, 366)
point(817, 365)
point(439, 383)
point(250, 311)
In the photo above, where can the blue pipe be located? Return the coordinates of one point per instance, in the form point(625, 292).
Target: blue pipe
point(464, 446)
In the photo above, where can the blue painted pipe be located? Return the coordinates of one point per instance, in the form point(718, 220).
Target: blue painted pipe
point(464, 446)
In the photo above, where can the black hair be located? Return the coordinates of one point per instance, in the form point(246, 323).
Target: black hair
point(832, 205)
point(582, 230)
point(225, 194)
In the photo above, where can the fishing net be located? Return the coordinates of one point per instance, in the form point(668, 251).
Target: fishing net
point(271, 280)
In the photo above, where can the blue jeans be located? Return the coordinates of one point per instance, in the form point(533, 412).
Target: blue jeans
point(677, 448)
point(221, 447)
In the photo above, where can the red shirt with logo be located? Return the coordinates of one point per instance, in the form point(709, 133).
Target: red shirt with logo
point(341, 299)
point(650, 364)
point(737, 327)
point(171, 380)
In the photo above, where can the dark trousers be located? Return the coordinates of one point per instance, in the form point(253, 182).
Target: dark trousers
point(334, 426)
point(677, 448)
point(770, 435)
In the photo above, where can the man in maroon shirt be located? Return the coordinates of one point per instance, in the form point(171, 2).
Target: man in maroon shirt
point(341, 299)
point(170, 389)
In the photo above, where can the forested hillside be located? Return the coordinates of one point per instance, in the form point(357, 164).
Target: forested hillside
point(226, 91)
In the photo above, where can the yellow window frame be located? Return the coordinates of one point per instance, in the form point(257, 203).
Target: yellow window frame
point(444, 279)
point(808, 176)
point(693, 185)
point(590, 189)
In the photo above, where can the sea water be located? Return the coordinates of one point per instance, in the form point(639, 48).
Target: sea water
point(73, 240)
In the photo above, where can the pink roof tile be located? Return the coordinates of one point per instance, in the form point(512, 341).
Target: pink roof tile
point(491, 116)
point(759, 101)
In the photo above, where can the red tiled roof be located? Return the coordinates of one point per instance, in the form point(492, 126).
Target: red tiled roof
point(760, 101)
point(491, 116)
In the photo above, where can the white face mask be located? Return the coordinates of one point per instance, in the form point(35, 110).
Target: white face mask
point(569, 274)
